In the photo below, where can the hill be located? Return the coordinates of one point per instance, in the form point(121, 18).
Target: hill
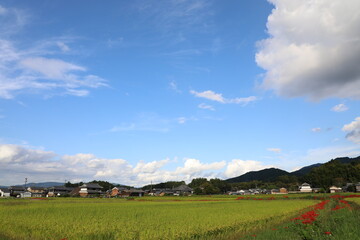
point(42, 184)
point(265, 175)
point(305, 170)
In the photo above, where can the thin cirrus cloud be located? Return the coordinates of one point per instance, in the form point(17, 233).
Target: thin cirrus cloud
point(206, 106)
point(217, 97)
point(313, 49)
point(339, 108)
point(275, 150)
point(317, 129)
point(29, 71)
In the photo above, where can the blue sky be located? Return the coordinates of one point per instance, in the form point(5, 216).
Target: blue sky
point(133, 91)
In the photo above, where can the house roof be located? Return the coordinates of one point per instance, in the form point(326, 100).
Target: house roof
point(183, 188)
point(305, 184)
point(60, 188)
point(133, 190)
point(91, 185)
point(17, 188)
point(5, 190)
point(37, 188)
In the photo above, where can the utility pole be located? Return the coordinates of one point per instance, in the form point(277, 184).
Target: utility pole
point(25, 183)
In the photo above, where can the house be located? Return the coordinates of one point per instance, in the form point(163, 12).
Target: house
point(57, 191)
point(183, 190)
point(162, 191)
point(283, 191)
point(25, 195)
point(305, 188)
point(36, 191)
point(136, 192)
point(334, 189)
point(4, 192)
point(357, 187)
point(90, 189)
point(118, 192)
point(16, 191)
point(275, 191)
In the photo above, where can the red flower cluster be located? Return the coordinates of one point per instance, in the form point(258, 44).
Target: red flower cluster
point(327, 233)
point(310, 216)
point(321, 205)
point(337, 207)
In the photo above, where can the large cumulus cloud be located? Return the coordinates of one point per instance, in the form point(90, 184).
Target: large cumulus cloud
point(313, 49)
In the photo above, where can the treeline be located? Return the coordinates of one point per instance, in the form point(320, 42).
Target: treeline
point(105, 184)
point(165, 185)
point(336, 172)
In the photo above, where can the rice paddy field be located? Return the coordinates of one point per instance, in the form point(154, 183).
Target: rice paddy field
point(207, 217)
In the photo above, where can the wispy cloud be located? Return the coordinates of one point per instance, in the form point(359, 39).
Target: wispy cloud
point(317, 129)
point(206, 106)
point(32, 71)
point(339, 108)
point(174, 86)
point(275, 150)
point(210, 95)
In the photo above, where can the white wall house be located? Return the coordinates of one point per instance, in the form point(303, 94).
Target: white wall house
point(4, 192)
point(305, 187)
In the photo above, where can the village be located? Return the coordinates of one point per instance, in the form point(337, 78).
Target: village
point(96, 190)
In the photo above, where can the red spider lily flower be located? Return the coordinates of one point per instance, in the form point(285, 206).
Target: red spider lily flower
point(337, 207)
point(327, 233)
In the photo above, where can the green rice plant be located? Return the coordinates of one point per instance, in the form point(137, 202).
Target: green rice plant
point(189, 218)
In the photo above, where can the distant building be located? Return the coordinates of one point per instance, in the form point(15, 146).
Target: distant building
point(305, 188)
point(4, 192)
point(90, 189)
point(118, 192)
point(357, 187)
point(58, 191)
point(334, 189)
point(25, 195)
point(183, 190)
point(16, 191)
point(136, 192)
point(36, 191)
point(283, 191)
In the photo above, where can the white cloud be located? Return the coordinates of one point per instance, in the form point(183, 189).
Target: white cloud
point(238, 167)
point(16, 154)
point(206, 106)
point(353, 130)
point(339, 108)
point(150, 167)
point(275, 150)
point(317, 129)
point(63, 47)
point(313, 49)
point(195, 167)
point(17, 162)
point(29, 71)
point(173, 86)
point(182, 120)
point(210, 95)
